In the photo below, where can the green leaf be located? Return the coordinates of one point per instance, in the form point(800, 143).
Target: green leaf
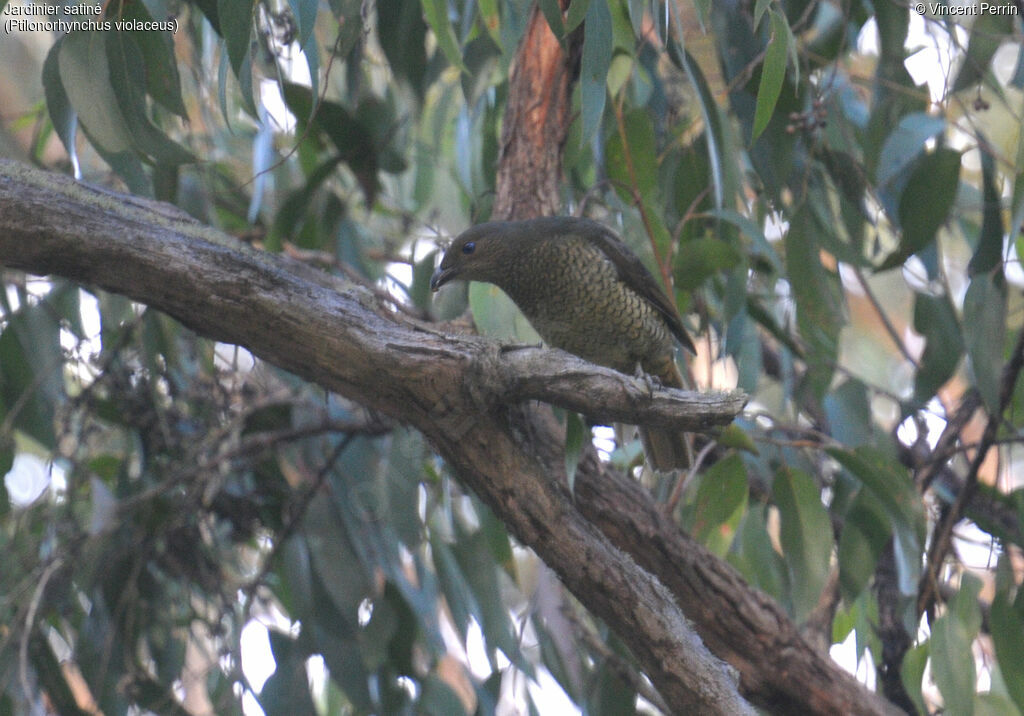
point(357, 146)
point(30, 372)
point(127, 77)
point(866, 531)
point(491, 18)
point(773, 72)
point(925, 203)
point(752, 553)
point(849, 413)
point(236, 20)
point(160, 67)
point(806, 536)
point(1006, 623)
point(597, 58)
point(575, 14)
point(912, 674)
point(819, 301)
point(552, 10)
point(477, 562)
point(984, 334)
point(989, 252)
point(613, 696)
point(702, 258)
point(58, 104)
point(993, 704)
point(719, 504)
point(759, 9)
point(438, 698)
point(85, 76)
point(304, 12)
point(953, 664)
point(637, 150)
point(736, 437)
point(456, 589)
point(402, 34)
point(436, 12)
point(892, 485)
point(964, 605)
point(620, 71)
point(935, 319)
point(761, 247)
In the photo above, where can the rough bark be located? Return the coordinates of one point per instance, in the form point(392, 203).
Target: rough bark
point(779, 670)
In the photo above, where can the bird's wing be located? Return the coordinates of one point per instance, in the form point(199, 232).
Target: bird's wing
point(635, 275)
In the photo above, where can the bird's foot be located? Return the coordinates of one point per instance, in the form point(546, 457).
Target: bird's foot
point(651, 381)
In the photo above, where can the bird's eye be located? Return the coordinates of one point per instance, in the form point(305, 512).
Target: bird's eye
point(468, 247)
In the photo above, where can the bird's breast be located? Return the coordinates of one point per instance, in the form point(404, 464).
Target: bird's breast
point(573, 296)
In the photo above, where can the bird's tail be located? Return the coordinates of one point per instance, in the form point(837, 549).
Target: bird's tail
point(665, 448)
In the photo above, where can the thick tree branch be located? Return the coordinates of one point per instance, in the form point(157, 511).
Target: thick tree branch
point(778, 668)
point(452, 388)
point(457, 390)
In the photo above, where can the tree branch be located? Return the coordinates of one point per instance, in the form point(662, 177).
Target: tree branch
point(612, 546)
point(452, 388)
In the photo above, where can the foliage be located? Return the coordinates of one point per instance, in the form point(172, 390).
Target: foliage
point(836, 228)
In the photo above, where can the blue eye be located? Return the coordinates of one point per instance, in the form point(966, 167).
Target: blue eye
point(468, 247)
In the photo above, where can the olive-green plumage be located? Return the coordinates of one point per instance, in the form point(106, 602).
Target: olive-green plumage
point(585, 292)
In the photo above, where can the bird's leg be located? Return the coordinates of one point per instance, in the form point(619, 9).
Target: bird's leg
point(651, 381)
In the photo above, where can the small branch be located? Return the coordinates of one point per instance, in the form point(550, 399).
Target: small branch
point(605, 395)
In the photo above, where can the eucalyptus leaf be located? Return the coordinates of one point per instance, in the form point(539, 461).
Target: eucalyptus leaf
point(597, 57)
point(806, 535)
point(773, 72)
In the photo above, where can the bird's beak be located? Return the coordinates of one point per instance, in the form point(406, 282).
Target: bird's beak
point(441, 277)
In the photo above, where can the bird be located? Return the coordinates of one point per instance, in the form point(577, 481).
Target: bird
point(583, 290)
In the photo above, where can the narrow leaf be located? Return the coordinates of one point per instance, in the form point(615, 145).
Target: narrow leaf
point(436, 12)
point(773, 72)
point(85, 76)
point(989, 252)
point(984, 333)
point(62, 114)
point(575, 434)
point(597, 58)
point(925, 203)
point(806, 535)
point(935, 319)
point(953, 664)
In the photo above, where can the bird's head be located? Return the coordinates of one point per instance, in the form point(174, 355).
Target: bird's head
point(478, 254)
